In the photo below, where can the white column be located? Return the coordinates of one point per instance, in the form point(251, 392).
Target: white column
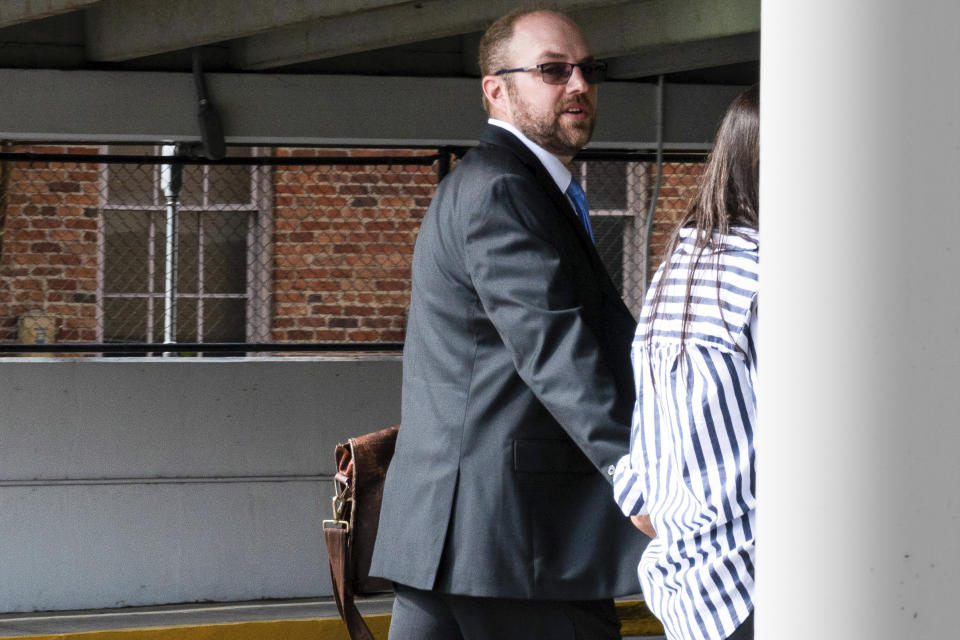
point(859, 441)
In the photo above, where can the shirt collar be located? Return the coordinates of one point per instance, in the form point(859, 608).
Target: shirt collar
point(560, 174)
point(745, 238)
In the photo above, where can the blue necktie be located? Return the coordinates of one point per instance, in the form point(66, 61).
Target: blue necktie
point(579, 199)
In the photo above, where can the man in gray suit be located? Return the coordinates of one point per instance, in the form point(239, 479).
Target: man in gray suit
point(497, 520)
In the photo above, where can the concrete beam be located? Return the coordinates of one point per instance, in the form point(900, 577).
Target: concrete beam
point(387, 27)
point(124, 29)
point(714, 33)
point(18, 11)
point(686, 57)
point(53, 42)
point(631, 27)
point(102, 106)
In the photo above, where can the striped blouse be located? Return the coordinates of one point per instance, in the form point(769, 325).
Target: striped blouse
point(691, 460)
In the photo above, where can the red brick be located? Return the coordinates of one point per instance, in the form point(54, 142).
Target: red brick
point(46, 223)
point(298, 237)
point(45, 247)
point(88, 224)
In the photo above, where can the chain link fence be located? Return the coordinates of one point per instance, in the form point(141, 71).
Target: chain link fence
point(136, 250)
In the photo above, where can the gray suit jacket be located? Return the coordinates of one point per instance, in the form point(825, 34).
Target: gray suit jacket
point(517, 396)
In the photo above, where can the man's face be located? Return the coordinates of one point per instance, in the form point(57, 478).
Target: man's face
point(558, 117)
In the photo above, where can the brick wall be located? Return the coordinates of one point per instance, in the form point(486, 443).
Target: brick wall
point(343, 242)
point(342, 238)
point(678, 186)
point(48, 256)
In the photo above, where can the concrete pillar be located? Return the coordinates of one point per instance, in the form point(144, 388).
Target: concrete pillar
point(858, 446)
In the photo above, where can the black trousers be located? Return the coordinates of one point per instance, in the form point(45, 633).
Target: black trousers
point(744, 631)
point(428, 615)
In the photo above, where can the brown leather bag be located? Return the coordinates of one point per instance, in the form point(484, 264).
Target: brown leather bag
point(361, 468)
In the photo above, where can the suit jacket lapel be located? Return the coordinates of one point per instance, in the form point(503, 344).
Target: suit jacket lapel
point(501, 137)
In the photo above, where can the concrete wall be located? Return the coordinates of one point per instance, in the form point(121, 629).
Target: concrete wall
point(146, 481)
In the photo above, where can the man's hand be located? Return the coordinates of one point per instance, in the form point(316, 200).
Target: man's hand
point(643, 523)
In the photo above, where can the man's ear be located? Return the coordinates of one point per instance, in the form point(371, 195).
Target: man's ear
point(496, 94)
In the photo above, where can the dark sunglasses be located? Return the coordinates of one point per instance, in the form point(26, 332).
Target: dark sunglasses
point(560, 72)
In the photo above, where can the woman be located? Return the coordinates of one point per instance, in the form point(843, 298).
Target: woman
point(691, 462)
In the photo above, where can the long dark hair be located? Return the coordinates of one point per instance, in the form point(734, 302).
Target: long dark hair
point(727, 197)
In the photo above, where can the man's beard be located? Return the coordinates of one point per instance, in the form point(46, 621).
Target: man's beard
point(550, 132)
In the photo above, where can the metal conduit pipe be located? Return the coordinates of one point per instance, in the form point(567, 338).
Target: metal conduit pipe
point(648, 231)
point(171, 179)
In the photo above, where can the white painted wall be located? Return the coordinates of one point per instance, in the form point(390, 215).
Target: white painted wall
point(145, 481)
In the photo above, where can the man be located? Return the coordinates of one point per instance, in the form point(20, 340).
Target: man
point(497, 520)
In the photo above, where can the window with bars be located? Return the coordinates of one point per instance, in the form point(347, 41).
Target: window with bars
point(617, 192)
point(220, 291)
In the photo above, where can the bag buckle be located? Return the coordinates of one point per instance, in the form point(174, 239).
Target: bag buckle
point(338, 505)
point(336, 524)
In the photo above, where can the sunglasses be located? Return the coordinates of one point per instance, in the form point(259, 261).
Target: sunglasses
point(560, 72)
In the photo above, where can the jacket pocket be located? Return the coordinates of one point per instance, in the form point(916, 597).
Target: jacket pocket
point(550, 456)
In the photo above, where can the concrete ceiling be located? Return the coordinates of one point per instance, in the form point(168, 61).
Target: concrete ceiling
point(639, 39)
point(713, 42)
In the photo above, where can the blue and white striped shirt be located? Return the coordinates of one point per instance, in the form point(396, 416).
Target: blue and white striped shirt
point(691, 460)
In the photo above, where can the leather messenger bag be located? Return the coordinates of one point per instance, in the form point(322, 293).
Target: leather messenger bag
point(361, 468)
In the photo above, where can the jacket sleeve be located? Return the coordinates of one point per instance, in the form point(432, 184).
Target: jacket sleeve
point(522, 273)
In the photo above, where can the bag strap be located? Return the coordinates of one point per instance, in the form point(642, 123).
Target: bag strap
point(339, 552)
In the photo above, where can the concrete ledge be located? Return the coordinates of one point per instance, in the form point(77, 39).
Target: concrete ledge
point(309, 619)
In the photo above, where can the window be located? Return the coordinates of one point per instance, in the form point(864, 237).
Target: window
point(618, 194)
point(221, 288)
